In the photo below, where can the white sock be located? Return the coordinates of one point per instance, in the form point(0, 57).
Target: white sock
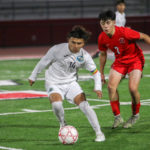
point(91, 115)
point(59, 111)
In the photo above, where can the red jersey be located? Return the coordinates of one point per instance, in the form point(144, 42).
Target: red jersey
point(122, 43)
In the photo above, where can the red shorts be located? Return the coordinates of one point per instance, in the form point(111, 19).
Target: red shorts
point(127, 68)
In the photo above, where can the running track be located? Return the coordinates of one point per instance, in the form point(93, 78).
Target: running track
point(14, 53)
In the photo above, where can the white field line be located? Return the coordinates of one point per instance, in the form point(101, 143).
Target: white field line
point(32, 111)
point(145, 100)
point(25, 111)
point(97, 100)
point(146, 103)
point(97, 106)
point(85, 77)
point(8, 148)
point(12, 113)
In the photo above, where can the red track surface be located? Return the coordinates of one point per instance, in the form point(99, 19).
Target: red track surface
point(39, 51)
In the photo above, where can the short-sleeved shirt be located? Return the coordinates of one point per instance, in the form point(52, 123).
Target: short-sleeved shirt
point(123, 44)
point(120, 19)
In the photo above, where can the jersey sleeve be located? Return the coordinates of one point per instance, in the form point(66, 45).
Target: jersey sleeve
point(89, 63)
point(131, 34)
point(43, 63)
point(101, 44)
point(90, 66)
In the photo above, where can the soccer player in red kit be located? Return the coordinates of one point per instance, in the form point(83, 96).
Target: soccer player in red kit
point(129, 59)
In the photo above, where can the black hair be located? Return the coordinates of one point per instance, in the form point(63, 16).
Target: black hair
point(119, 2)
point(106, 15)
point(80, 32)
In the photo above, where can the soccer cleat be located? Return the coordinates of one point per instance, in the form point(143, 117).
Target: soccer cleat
point(100, 137)
point(131, 121)
point(118, 121)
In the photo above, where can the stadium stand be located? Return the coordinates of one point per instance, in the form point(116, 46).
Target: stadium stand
point(44, 22)
point(54, 9)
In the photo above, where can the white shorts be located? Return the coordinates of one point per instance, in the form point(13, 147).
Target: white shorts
point(67, 91)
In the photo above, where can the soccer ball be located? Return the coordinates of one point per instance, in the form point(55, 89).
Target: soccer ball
point(68, 135)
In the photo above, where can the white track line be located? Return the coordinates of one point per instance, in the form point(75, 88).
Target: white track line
point(8, 148)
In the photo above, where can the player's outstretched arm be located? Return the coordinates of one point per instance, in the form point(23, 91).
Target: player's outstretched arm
point(91, 66)
point(98, 84)
point(41, 65)
point(102, 60)
point(145, 37)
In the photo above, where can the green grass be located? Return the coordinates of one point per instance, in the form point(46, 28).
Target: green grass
point(39, 131)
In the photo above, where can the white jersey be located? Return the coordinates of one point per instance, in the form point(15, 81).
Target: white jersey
point(120, 19)
point(62, 65)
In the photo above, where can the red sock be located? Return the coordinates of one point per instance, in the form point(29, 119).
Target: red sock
point(115, 105)
point(135, 108)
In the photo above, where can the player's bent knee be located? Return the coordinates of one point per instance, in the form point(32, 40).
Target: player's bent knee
point(133, 89)
point(111, 88)
point(79, 98)
point(54, 97)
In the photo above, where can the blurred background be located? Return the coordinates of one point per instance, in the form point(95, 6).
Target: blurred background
point(46, 22)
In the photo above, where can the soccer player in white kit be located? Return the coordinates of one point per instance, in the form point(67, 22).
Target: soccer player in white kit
point(62, 62)
point(120, 14)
